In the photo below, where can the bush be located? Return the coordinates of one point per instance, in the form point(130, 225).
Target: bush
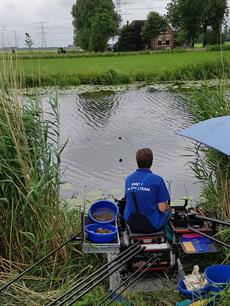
point(218, 47)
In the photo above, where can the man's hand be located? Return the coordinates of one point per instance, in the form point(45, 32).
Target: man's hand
point(163, 206)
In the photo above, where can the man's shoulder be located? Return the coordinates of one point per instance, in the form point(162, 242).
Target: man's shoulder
point(150, 177)
point(131, 175)
point(156, 178)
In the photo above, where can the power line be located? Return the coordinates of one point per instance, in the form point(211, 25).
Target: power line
point(3, 36)
point(15, 39)
point(42, 33)
point(43, 37)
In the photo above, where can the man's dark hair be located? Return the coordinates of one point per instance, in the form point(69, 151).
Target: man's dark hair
point(144, 158)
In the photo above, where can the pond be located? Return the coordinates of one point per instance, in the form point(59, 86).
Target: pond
point(106, 127)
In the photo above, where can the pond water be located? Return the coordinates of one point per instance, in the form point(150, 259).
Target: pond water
point(105, 127)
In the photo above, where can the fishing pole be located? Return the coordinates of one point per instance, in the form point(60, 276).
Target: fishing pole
point(38, 262)
point(127, 257)
point(104, 277)
point(213, 220)
point(133, 281)
point(94, 273)
point(210, 237)
point(128, 279)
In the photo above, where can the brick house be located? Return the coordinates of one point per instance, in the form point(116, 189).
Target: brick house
point(165, 40)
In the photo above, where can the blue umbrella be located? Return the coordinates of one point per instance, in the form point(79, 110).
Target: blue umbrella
point(214, 132)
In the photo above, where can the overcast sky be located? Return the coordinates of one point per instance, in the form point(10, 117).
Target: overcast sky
point(20, 16)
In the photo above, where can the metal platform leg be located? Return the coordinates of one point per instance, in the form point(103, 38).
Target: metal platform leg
point(115, 278)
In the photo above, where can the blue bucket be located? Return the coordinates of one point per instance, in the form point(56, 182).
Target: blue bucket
point(218, 277)
point(100, 238)
point(102, 210)
point(192, 294)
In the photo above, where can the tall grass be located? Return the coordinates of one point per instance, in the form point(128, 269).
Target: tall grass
point(33, 221)
point(211, 167)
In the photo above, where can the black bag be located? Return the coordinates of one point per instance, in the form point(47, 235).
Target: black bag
point(138, 222)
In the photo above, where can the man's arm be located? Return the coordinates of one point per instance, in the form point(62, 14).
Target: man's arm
point(163, 197)
point(163, 206)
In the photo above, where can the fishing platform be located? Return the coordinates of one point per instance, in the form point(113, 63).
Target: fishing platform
point(156, 254)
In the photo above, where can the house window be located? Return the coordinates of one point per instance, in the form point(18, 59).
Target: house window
point(167, 42)
point(159, 42)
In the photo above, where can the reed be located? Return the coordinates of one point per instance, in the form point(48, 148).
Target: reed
point(211, 167)
point(31, 220)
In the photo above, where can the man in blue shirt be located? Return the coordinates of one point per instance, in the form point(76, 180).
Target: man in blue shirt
point(147, 209)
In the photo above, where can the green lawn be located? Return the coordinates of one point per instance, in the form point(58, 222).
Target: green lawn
point(146, 63)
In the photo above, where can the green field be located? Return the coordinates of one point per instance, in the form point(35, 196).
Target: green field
point(42, 69)
point(124, 64)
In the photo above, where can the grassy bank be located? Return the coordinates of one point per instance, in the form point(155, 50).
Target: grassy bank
point(33, 220)
point(112, 70)
point(47, 54)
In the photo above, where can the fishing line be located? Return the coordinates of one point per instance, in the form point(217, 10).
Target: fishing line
point(121, 159)
point(128, 141)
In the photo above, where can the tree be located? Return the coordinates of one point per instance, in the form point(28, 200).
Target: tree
point(138, 42)
point(185, 16)
point(196, 17)
point(153, 26)
point(103, 27)
point(28, 40)
point(227, 32)
point(130, 38)
point(94, 21)
point(125, 41)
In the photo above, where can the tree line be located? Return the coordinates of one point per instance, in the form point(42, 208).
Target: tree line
point(96, 21)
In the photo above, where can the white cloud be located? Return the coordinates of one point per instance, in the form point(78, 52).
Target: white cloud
point(22, 15)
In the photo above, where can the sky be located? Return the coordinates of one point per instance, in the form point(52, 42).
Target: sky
point(53, 17)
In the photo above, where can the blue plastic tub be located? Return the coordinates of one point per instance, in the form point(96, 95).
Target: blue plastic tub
point(195, 294)
point(101, 207)
point(218, 277)
point(100, 238)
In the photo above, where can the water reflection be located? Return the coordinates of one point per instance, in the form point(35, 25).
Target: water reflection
point(96, 107)
point(104, 128)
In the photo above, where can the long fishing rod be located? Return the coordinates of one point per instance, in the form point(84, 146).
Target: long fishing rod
point(121, 262)
point(38, 262)
point(128, 279)
point(104, 277)
point(133, 281)
point(213, 220)
point(134, 246)
point(210, 237)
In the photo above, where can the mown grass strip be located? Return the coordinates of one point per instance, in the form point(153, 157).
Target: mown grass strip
point(114, 70)
point(197, 71)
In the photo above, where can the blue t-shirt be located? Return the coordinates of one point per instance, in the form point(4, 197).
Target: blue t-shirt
point(150, 189)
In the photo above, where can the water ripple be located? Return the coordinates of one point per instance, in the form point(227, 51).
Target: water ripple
point(94, 124)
